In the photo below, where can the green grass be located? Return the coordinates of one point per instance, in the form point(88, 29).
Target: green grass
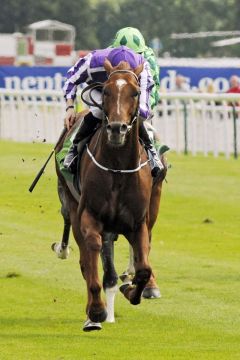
point(197, 263)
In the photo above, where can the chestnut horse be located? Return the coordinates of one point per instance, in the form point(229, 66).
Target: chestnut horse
point(118, 194)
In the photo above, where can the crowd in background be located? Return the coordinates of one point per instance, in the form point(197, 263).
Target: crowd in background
point(182, 85)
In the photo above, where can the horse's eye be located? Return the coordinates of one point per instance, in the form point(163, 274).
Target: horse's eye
point(136, 94)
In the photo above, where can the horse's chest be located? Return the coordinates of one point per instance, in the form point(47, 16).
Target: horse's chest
point(120, 206)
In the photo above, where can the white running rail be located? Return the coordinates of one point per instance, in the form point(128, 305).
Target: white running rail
point(31, 115)
point(199, 122)
point(186, 122)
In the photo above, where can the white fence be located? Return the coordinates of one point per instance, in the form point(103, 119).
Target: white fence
point(193, 122)
point(31, 115)
point(188, 122)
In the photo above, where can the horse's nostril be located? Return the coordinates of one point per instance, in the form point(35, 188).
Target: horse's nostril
point(123, 128)
point(109, 128)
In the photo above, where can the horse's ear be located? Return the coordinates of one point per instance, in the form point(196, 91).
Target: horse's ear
point(138, 69)
point(107, 66)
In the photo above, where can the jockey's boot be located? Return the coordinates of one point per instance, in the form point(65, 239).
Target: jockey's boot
point(155, 163)
point(86, 128)
point(70, 160)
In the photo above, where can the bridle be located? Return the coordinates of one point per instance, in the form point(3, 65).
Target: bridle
point(124, 71)
point(98, 85)
point(136, 113)
point(134, 118)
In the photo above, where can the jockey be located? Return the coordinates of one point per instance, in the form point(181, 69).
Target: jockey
point(133, 39)
point(90, 69)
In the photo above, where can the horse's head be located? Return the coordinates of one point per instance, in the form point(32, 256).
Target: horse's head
point(120, 100)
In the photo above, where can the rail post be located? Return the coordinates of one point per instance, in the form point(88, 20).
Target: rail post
point(235, 150)
point(185, 117)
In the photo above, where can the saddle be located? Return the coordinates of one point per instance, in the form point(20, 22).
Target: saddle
point(72, 180)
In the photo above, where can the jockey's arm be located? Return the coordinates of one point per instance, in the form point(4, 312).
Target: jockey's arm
point(146, 84)
point(70, 117)
point(75, 76)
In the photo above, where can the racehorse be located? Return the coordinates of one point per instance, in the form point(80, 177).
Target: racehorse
point(118, 194)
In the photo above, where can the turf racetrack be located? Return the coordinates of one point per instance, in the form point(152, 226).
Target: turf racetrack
point(195, 255)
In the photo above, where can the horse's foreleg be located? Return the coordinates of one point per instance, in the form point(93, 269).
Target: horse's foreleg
point(151, 291)
point(91, 230)
point(110, 276)
point(89, 325)
point(140, 243)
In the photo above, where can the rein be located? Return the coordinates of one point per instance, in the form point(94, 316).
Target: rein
point(116, 171)
point(98, 85)
point(92, 87)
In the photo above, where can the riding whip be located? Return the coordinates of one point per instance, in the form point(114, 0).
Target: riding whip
point(35, 181)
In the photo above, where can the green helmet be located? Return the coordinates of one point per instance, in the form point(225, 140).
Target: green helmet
point(130, 37)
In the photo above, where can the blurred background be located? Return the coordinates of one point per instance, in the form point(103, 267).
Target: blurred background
point(96, 22)
point(196, 44)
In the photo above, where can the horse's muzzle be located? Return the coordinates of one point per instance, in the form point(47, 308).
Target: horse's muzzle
point(116, 132)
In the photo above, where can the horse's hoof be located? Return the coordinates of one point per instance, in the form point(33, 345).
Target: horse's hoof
point(135, 300)
point(62, 253)
point(151, 293)
point(124, 287)
point(91, 326)
point(97, 317)
point(130, 293)
point(141, 279)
